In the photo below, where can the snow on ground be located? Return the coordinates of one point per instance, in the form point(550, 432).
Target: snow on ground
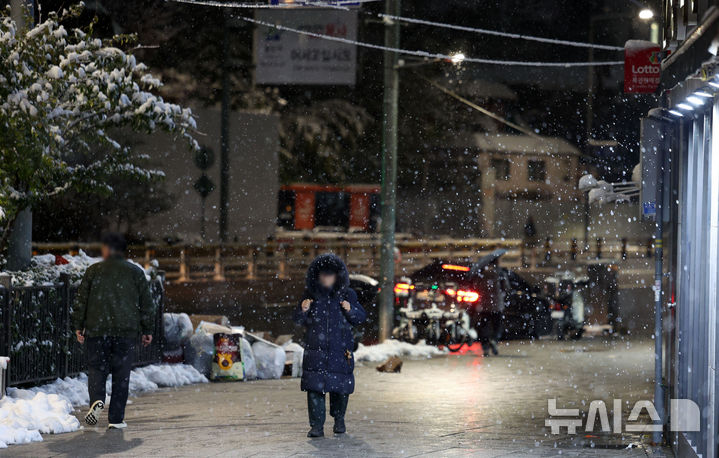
point(47, 409)
point(380, 352)
point(22, 419)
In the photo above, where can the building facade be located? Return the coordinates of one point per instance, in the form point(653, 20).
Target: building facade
point(680, 153)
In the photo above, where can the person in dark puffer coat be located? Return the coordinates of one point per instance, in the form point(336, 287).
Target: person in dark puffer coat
point(329, 310)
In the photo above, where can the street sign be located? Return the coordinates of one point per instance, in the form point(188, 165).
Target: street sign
point(286, 57)
point(642, 66)
point(204, 158)
point(204, 186)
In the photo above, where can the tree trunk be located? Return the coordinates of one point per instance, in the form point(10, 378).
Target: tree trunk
point(19, 252)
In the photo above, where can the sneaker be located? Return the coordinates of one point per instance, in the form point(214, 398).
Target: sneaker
point(122, 425)
point(316, 432)
point(94, 413)
point(339, 427)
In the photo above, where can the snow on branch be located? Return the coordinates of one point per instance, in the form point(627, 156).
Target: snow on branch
point(61, 92)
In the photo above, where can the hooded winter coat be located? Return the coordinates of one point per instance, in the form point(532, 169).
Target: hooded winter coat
point(328, 360)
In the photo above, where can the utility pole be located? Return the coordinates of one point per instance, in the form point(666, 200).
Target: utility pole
point(19, 252)
point(389, 171)
point(225, 129)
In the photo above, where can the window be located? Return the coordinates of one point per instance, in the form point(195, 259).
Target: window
point(537, 171)
point(501, 169)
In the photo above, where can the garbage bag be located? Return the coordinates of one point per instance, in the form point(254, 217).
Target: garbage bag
point(270, 359)
point(178, 329)
point(200, 352)
point(248, 357)
point(296, 352)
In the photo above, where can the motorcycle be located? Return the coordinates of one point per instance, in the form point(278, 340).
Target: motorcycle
point(449, 328)
point(567, 305)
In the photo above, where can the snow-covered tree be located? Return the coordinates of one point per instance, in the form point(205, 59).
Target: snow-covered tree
point(63, 93)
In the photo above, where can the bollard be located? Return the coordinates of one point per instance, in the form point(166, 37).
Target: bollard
point(624, 248)
point(599, 248)
point(282, 269)
point(650, 247)
point(4, 363)
point(548, 250)
point(184, 273)
point(219, 266)
point(148, 258)
point(574, 249)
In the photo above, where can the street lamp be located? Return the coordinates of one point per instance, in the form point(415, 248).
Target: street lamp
point(603, 192)
point(646, 14)
point(457, 58)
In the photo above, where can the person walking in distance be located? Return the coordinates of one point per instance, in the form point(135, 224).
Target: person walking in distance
point(112, 308)
point(490, 308)
point(328, 311)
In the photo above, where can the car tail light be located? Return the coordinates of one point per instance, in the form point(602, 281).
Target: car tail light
point(455, 267)
point(463, 295)
point(402, 288)
point(554, 305)
point(467, 296)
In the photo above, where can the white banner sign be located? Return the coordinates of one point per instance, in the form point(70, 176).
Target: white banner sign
point(284, 57)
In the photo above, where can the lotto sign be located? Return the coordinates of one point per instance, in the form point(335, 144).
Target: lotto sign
point(642, 66)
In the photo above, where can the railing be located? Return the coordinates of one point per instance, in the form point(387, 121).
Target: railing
point(289, 255)
point(37, 336)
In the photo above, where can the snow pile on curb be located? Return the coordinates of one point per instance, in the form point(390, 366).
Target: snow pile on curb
point(26, 413)
point(22, 419)
point(150, 378)
point(380, 352)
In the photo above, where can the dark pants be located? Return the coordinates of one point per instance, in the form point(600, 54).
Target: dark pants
point(110, 355)
point(316, 407)
point(489, 328)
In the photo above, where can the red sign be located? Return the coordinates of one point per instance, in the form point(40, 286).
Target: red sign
point(642, 66)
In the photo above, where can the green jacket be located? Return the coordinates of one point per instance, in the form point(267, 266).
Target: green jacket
point(114, 299)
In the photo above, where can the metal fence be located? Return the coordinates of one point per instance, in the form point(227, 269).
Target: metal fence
point(36, 332)
point(290, 254)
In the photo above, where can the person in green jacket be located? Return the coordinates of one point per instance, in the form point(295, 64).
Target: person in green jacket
point(112, 308)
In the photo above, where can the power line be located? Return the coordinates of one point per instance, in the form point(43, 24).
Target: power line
point(426, 54)
point(501, 34)
point(330, 3)
point(343, 4)
point(482, 110)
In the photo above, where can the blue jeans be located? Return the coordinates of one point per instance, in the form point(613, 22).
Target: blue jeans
point(110, 355)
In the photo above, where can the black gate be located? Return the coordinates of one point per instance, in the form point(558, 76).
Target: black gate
point(36, 332)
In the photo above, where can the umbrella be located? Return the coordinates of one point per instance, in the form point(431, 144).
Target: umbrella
point(486, 260)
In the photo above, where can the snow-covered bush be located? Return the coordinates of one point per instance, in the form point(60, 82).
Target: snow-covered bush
point(46, 269)
point(62, 94)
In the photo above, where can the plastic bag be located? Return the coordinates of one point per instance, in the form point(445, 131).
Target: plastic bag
point(200, 351)
point(296, 352)
point(248, 357)
point(178, 329)
point(227, 361)
point(270, 359)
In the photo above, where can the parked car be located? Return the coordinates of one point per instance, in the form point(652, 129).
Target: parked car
point(443, 295)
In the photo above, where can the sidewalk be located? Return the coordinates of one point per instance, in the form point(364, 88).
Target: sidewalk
point(449, 406)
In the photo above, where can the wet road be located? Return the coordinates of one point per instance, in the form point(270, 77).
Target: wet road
point(458, 405)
